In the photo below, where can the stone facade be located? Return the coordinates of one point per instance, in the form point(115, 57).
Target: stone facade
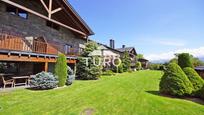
point(35, 26)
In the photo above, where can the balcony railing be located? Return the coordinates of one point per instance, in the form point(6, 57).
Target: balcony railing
point(17, 43)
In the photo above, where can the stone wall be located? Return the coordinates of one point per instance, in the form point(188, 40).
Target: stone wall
point(35, 26)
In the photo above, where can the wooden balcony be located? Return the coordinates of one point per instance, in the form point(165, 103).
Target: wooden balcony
point(17, 43)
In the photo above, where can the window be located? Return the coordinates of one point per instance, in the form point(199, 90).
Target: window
point(11, 10)
point(67, 48)
point(23, 14)
point(16, 11)
point(53, 25)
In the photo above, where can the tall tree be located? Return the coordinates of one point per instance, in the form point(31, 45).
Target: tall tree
point(90, 47)
point(126, 61)
point(86, 69)
point(140, 56)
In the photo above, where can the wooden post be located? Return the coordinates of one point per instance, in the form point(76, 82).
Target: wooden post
point(50, 9)
point(46, 67)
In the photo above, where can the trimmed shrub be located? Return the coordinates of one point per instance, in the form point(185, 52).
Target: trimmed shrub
point(184, 60)
point(108, 73)
point(138, 65)
point(174, 82)
point(61, 69)
point(70, 77)
point(195, 79)
point(44, 80)
point(130, 71)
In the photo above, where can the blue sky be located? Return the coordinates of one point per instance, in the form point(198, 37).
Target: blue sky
point(153, 27)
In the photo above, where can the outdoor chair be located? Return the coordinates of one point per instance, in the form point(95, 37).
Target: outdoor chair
point(8, 82)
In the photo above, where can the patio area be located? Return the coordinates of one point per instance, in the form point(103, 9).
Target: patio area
point(10, 81)
point(15, 74)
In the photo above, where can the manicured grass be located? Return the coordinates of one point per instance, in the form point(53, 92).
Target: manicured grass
point(125, 94)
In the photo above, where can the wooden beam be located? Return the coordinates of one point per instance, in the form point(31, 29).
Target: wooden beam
point(71, 16)
point(25, 58)
point(45, 6)
point(42, 16)
point(71, 61)
point(50, 9)
point(56, 10)
point(16, 58)
point(46, 67)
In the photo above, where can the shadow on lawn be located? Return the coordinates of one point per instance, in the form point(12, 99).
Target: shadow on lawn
point(37, 89)
point(193, 99)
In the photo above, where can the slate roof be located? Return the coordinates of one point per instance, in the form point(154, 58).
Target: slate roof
point(125, 49)
point(142, 59)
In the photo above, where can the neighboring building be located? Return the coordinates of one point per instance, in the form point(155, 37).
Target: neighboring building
point(111, 51)
point(132, 53)
point(144, 63)
point(200, 71)
point(34, 32)
point(108, 53)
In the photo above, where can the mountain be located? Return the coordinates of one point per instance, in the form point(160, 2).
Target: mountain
point(164, 61)
point(201, 58)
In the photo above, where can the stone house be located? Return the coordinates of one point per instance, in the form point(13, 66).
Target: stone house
point(132, 54)
point(34, 32)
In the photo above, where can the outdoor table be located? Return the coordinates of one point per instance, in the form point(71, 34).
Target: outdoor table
point(26, 78)
point(5, 74)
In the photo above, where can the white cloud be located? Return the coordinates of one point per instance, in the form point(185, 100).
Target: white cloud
point(199, 52)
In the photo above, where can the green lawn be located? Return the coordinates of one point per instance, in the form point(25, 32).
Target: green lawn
point(125, 94)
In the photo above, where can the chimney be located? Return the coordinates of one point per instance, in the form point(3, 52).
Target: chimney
point(123, 46)
point(112, 43)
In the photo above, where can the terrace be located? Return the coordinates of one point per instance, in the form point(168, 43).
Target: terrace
point(38, 53)
point(9, 42)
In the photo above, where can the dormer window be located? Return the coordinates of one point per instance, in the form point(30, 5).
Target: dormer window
point(17, 11)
